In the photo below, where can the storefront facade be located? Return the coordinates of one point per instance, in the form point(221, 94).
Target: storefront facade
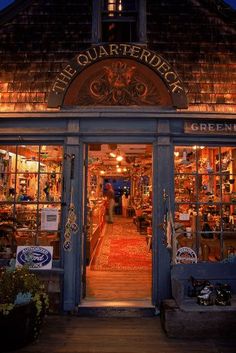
point(118, 94)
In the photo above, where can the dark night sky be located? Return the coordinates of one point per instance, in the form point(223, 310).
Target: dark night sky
point(4, 3)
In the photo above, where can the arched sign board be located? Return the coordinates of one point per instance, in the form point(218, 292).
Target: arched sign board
point(118, 74)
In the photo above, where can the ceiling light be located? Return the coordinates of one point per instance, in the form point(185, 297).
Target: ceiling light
point(112, 154)
point(119, 158)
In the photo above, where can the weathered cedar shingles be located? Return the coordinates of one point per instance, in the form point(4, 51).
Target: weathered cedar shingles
point(197, 37)
point(35, 45)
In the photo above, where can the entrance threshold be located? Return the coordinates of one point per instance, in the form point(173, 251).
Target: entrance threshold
point(116, 308)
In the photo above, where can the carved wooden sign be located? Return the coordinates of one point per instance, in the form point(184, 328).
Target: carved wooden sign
point(118, 74)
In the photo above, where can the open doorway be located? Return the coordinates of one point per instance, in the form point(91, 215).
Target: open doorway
point(119, 253)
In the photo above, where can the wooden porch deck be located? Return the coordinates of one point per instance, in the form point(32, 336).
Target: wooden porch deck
point(72, 334)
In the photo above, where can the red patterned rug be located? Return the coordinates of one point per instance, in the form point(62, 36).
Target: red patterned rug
point(122, 248)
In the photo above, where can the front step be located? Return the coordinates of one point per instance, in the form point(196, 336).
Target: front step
point(116, 309)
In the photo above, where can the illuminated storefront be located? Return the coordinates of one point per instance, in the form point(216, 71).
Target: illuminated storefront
point(86, 88)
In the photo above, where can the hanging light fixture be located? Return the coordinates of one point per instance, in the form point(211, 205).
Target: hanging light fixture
point(112, 154)
point(119, 157)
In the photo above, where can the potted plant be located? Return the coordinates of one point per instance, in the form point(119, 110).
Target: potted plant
point(23, 305)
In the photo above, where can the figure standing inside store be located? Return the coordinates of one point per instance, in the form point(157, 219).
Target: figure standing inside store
point(110, 197)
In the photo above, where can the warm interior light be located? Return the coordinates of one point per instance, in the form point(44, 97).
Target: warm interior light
point(102, 172)
point(112, 154)
point(119, 158)
point(176, 154)
point(198, 147)
point(119, 170)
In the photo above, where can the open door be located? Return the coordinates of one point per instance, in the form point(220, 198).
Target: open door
point(85, 220)
point(118, 254)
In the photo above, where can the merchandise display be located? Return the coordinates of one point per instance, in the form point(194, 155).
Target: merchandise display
point(30, 197)
point(129, 169)
point(205, 208)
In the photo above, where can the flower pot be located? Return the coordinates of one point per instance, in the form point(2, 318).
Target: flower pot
point(19, 327)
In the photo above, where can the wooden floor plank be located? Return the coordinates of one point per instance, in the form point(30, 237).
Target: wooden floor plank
point(70, 334)
point(115, 285)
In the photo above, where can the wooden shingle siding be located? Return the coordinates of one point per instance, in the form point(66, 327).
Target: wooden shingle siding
point(198, 38)
point(35, 45)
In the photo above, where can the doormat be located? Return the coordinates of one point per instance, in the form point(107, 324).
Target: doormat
point(122, 249)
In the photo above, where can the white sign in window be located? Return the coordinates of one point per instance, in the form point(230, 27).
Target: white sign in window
point(49, 219)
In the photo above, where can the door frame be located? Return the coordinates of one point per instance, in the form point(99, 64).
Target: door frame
point(82, 250)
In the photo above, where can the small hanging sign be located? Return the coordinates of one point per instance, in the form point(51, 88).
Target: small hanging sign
point(49, 219)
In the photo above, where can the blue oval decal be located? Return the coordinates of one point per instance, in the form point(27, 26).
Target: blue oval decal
point(34, 256)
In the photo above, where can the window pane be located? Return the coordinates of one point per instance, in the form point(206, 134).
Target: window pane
point(28, 159)
point(205, 203)
point(210, 249)
point(207, 190)
point(50, 217)
point(208, 158)
point(27, 187)
point(20, 210)
point(24, 236)
point(229, 243)
point(26, 216)
point(6, 213)
point(185, 159)
point(50, 187)
point(51, 158)
point(185, 188)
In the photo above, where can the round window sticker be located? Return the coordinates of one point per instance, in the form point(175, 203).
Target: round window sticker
point(186, 255)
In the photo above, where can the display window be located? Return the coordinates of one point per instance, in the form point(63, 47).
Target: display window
point(30, 197)
point(205, 200)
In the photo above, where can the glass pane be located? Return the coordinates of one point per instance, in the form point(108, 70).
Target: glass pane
point(210, 248)
point(185, 159)
point(28, 159)
point(209, 219)
point(51, 158)
point(227, 159)
point(185, 226)
point(50, 239)
point(229, 244)
point(7, 159)
point(185, 188)
point(50, 218)
point(50, 187)
point(207, 188)
point(7, 240)
point(7, 187)
point(27, 187)
point(24, 236)
point(208, 158)
point(6, 213)
point(26, 216)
